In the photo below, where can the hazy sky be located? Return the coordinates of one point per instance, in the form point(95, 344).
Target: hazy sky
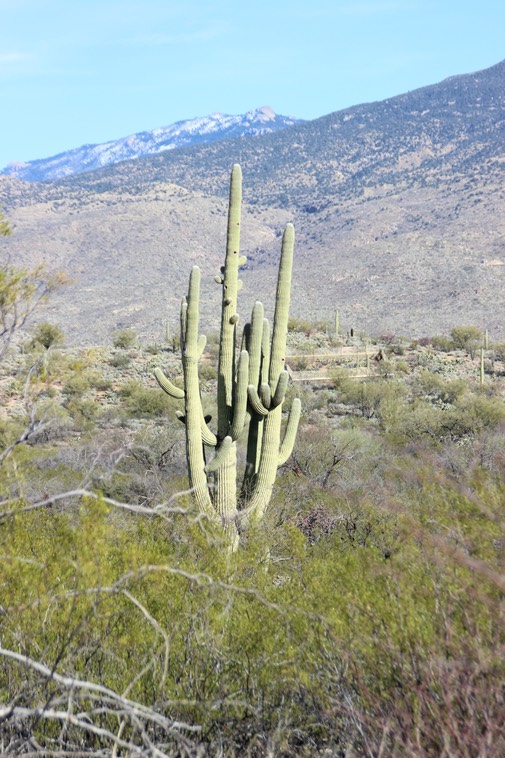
point(89, 71)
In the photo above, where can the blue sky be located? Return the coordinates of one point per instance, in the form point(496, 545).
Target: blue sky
point(89, 71)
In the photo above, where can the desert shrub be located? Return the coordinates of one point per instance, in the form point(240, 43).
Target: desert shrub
point(47, 335)
point(120, 360)
point(468, 338)
point(415, 422)
point(423, 341)
point(434, 387)
point(142, 401)
point(83, 412)
point(345, 617)
point(499, 351)
point(300, 325)
point(369, 397)
point(299, 363)
point(77, 384)
point(475, 412)
point(81, 382)
point(444, 344)
point(98, 381)
point(124, 338)
point(53, 421)
point(207, 372)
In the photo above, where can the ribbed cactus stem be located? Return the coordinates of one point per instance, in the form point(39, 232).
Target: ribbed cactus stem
point(167, 386)
point(193, 406)
point(220, 456)
point(255, 336)
point(226, 367)
point(240, 399)
point(290, 433)
point(280, 330)
point(280, 391)
point(255, 401)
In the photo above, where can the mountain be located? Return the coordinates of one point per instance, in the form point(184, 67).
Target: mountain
point(217, 126)
point(399, 210)
point(418, 138)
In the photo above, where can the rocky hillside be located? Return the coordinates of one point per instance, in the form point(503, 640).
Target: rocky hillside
point(399, 208)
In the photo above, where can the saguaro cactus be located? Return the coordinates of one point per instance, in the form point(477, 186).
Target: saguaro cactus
point(251, 388)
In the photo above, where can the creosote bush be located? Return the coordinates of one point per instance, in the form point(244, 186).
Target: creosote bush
point(124, 338)
point(47, 335)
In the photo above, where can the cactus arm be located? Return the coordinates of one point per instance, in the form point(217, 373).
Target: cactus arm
point(280, 330)
point(167, 386)
point(254, 338)
point(202, 341)
point(208, 436)
point(265, 394)
point(240, 399)
point(220, 456)
point(255, 402)
point(226, 366)
point(183, 317)
point(193, 406)
point(288, 441)
point(265, 350)
point(280, 390)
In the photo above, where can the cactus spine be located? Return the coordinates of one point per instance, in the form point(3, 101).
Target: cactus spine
point(251, 388)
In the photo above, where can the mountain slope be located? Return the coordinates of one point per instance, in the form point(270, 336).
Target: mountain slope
point(217, 126)
point(419, 137)
point(399, 210)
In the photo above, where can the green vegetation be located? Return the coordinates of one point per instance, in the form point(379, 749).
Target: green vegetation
point(5, 229)
point(47, 335)
point(362, 615)
point(364, 612)
point(124, 338)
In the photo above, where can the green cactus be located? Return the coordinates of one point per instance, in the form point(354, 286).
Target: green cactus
point(251, 388)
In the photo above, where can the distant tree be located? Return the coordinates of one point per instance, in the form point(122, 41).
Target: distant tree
point(467, 338)
point(47, 335)
point(21, 290)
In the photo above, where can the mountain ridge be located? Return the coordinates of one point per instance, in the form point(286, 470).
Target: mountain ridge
point(189, 132)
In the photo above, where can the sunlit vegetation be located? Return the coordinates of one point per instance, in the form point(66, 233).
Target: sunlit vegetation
point(364, 616)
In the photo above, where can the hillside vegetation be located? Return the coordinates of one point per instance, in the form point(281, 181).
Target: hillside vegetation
point(364, 616)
